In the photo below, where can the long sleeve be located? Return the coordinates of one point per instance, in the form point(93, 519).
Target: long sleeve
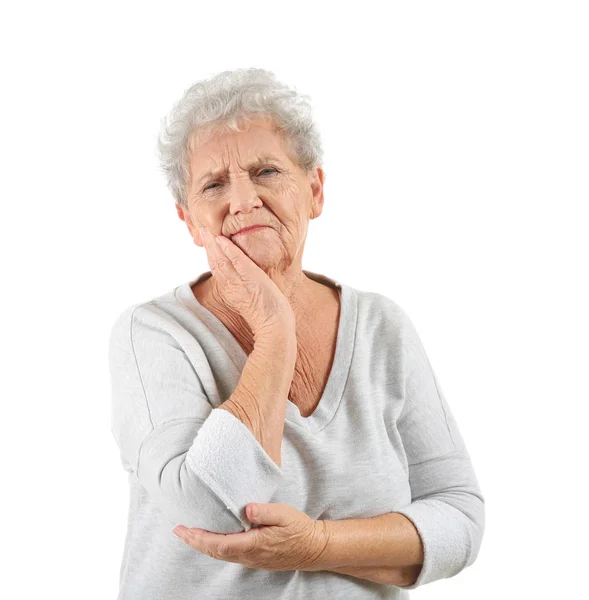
point(200, 465)
point(447, 506)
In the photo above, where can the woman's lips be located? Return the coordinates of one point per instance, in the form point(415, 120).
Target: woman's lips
point(248, 229)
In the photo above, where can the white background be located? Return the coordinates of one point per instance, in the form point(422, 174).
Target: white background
point(456, 153)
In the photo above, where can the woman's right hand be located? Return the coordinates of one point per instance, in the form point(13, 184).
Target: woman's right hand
point(246, 288)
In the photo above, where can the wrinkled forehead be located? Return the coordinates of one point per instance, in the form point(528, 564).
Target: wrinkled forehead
point(255, 138)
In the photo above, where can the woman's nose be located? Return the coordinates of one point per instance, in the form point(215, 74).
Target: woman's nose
point(243, 196)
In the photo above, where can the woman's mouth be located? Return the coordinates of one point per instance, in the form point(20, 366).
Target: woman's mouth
point(248, 229)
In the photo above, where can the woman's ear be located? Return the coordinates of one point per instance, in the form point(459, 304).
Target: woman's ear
point(317, 189)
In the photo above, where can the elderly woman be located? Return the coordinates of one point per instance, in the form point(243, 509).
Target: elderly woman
point(289, 424)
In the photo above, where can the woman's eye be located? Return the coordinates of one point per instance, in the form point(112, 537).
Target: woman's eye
point(211, 186)
point(268, 169)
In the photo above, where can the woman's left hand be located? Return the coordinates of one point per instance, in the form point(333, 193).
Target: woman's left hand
point(286, 539)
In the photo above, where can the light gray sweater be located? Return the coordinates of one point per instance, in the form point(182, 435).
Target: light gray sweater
point(382, 439)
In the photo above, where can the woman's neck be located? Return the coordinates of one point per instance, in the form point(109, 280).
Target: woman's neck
point(306, 299)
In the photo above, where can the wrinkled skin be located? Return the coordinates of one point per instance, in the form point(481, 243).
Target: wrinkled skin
point(245, 287)
point(257, 181)
point(286, 539)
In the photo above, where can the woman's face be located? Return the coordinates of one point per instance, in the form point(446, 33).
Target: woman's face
point(239, 179)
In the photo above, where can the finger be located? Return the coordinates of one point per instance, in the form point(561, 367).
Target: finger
point(275, 513)
point(220, 265)
point(224, 269)
point(225, 250)
point(244, 266)
point(213, 251)
point(219, 545)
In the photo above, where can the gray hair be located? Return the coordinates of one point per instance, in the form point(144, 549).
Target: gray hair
point(222, 102)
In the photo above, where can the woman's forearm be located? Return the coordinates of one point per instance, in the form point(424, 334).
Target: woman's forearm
point(391, 540)
point(259, 400)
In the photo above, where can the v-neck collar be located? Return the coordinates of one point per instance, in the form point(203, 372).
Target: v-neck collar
point(338, 376)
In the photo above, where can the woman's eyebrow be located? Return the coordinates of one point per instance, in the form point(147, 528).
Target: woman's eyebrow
point(260, 161)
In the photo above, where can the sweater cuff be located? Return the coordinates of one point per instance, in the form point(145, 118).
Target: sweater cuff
point(231, 461)
point(444, 552)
